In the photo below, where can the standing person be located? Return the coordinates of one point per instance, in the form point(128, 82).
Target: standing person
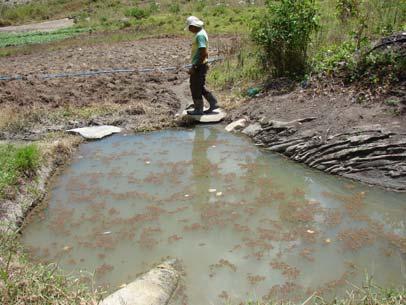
point(199, 67)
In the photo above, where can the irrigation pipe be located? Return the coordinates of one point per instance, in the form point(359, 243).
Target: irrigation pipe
point(101, 72)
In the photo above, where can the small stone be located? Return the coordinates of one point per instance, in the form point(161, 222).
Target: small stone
point(107, 233)
point(212, 190)
point(252, 129)
point(186, 195)
point(328, 240)
point(147, 162)
point(66, 248)
point(236, 125)
point(218, 194)
point(310, 231)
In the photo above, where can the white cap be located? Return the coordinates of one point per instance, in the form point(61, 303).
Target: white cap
point(192, 20)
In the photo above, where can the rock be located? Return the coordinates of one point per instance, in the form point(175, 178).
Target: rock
point(96, 132)
point(216, 116)
point(402, 107)
point(153, 288)
point(252, 130)
point(274, 124)
point(236, 125)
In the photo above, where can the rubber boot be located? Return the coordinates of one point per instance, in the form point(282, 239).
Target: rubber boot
point(198, 107)
point(212, 101)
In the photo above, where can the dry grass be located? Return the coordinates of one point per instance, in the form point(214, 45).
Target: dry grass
point(19, 119)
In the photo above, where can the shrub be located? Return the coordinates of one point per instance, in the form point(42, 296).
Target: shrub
point(284, 33)
point(174, 8)
point(350, 62)
point(137, 12)
point(219, 10)
point(335, 57)
point(153, 7)
point(347, 9)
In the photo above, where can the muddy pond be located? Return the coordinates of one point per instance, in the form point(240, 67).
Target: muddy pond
point(245, 223)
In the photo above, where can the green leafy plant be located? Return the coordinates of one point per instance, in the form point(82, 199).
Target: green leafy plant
point(335, 57)
point(351, 62)
point(284, 33)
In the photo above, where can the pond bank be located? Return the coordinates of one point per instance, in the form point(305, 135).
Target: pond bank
point(54, 155)
point(328, 130)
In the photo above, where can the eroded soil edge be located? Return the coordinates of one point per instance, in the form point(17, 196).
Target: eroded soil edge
point(332, 132)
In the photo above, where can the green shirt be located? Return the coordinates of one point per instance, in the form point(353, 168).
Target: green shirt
point(200, 40)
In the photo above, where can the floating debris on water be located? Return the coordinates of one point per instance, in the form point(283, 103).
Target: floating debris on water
point(240, 220)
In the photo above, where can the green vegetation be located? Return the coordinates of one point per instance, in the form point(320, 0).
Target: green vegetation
point(16, 163)
point(369, 294)
point(240, 68)
point(15, 39)
point(156, 18)
point(22, 282)
point(351, 64)
point(342, 47)
point(346, 31)
point(284, 33)
point(113, 21)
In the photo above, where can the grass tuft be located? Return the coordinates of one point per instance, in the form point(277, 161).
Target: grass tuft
point(22, 282)
point(16, 163)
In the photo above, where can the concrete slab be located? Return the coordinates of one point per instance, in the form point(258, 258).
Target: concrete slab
point(216, 116)
point(95, 132)
point(153, 288)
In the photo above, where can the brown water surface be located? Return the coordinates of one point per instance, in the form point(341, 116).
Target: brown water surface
point(246, 224)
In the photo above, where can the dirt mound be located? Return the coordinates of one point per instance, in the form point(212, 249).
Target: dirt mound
point(329, 129)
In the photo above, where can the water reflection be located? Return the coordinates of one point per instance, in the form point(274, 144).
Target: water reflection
point(202, 168)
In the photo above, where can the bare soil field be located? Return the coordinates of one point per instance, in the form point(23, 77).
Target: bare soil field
point(136, 101)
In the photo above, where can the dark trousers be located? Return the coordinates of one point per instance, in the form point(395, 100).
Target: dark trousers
point(198, 89)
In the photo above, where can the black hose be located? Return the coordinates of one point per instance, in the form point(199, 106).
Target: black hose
point(100, 72)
